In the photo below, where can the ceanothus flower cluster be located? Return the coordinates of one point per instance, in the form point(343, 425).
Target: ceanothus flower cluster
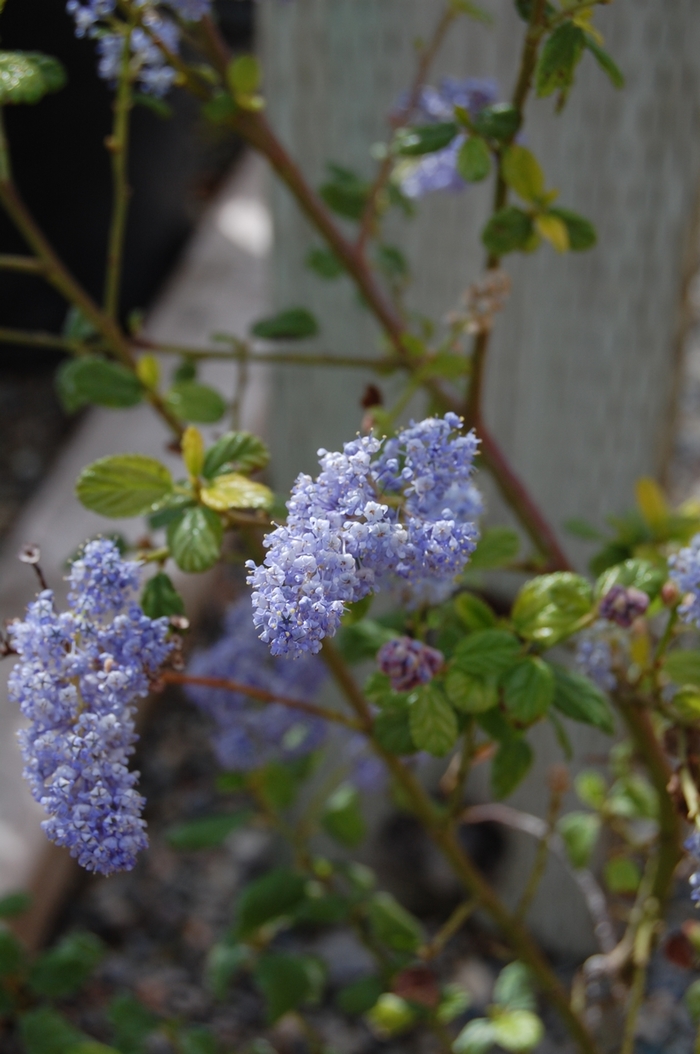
point(408, 663)
point(148, 64)
point(79, 673)
point(398, 507)
point(685, 572)
point(249, 734)
point(692, 844)
point(438, 171)
point(594, 657)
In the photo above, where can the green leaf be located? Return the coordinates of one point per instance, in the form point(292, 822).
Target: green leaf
point(528, 689)
point(192, 401)
point(425, 138)
point(551, 607)
point(578, 698)
point(13, 904)
point(523, 173)
point(160, 597)
point(393, 925)
point(692, 1000)
point(65, 968)
point(591, 788)
point(488, 653)
point(466, 7)
point(131, 1023)
point(231, 490)
point(392, 262)
point(477, 1037)
point(641, 574)
point(499, 121)
point(683, 667)
point(455, 1000)
point(224, 963)
point(558, 59)
point(327, 910)
point(235, 452)
point(286, 981)
point(391, 1015)
point(206, 832)
point(244, 75)
point(510, 766)
point(470, 695)
point(432, 720)
point(474, 160)
point(296, 323)
point(622, 875)
point(508, 230)
point(363, 639)
point(26, 76)
point(513, 989)
point(90, 379)
point(392, 730)
point(169, 510)
point(582, 233)
point(195, 540)
point(45, 1031)
point(324, 263)
point(473, 612)
point(342, 816)
point(605, 61)
point(345, 193)
point(123, 485)
point(583, 529)
point(197, 1040)
point(360, 996)
point(220, 108)
point(579, 832)
point(77, 326)
point(11, 953)
point(274, 895)
point(157, 106)
point(497, 547)
point(518, 1030)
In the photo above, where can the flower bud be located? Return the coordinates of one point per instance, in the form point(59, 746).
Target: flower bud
point(408, 663)
point(670, 593)
point(623, 605)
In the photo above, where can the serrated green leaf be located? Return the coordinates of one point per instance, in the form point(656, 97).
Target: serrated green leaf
point(528, 689)
point(363, 639)
point(551, 607)
point(683, 667)
point(131, 1023)
point(192, 401)
point(500, 121)
point(274, 895)
point(393, 925)
point(582, 233)
point(497, 547)
point(514, 989)
point(286, 981)
point(26, 76)
point(235, 452)
point(342, 816)
point(517, 1030)
point(591, 788)
point(360, 996)
point(510, 766)
point(11, 952)
point(473, 612)
point(641, 574)
point(45, 1031)
point(205, 832)
point(197, 1040)
point(234, 491)
point(13, 904)
point(432, 720)
point(425, 138)
point(90, 379)
point(583, 529)
point(474, 160)
point(345, 193)
point(296, 323)
point(160, 597)
point(578, 698)
point(123, 485)
point(455, 1000)
point(508, 230)
point(195, 540)
point(324, 263)
point(487, 654)
point(622, 875)
point(579, 832)
point(523, 173)
point(605, 61)
point(470, 695)
point(392, 730)
point(466, 7)
point(64, 969)
point(477, 1037)
point(224, 963)
point(558, 59)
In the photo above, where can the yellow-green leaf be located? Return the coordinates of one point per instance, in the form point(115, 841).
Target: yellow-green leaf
point(553, 230)
point(148, 371)
point(651, 501)
point(192, 446)
point(123, 485)
point(522, 171)
point(233, 491)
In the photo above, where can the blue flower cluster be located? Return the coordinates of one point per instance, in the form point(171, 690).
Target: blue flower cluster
point(685, 572)
point(79, 673)
point(438, 171)
point(594, 656)
point(692, 844)
point(250, 734)
point(400, 506)
point(149, 67)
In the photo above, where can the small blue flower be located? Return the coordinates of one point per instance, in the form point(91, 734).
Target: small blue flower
point(685, 572)
point(594, 656)
point(79, 674)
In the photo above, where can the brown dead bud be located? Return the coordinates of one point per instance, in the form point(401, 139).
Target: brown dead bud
point(371, 397)
point(679, 950)
point(558, 780)
point(670, 593)
point(419, 985)
point(675, 793)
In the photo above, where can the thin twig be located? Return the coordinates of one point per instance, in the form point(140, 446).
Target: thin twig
point(26, 264)
point(118, 146)
point(447, 931)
